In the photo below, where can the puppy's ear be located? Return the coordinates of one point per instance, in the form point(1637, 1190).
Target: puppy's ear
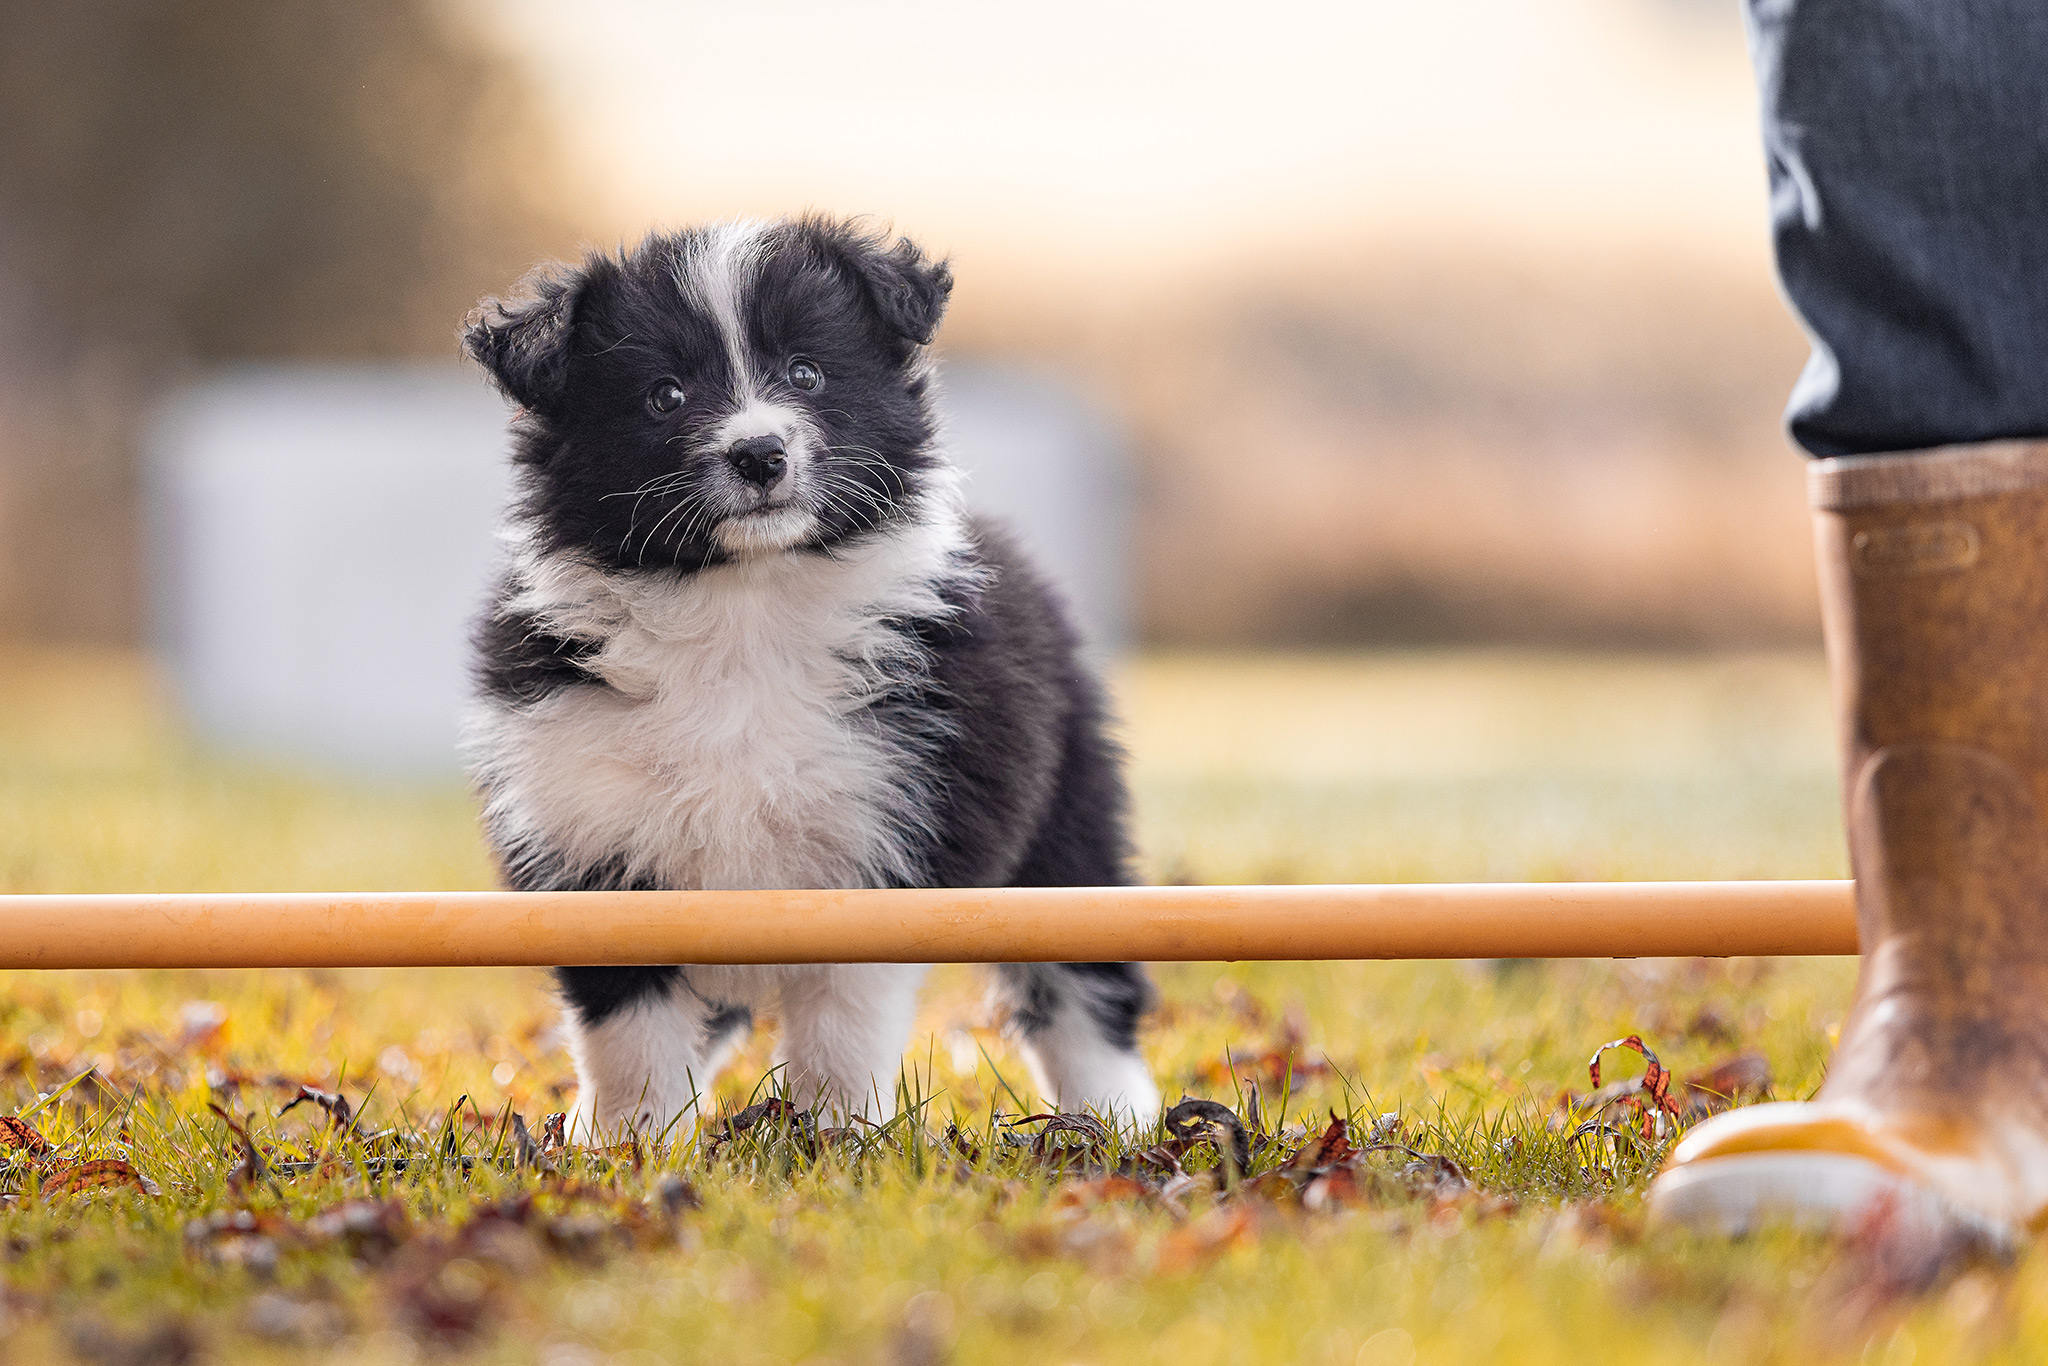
point(907, 289)
point(524, 343)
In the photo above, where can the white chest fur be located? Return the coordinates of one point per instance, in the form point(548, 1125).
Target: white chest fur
point(734, 746)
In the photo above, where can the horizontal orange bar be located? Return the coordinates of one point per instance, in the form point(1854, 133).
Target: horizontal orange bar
point(1006, 924)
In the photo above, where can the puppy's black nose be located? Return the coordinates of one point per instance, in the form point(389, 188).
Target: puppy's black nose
point(759, 460)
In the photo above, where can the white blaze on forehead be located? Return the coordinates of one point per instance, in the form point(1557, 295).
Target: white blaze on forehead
point(758, 417)
point(716, 272)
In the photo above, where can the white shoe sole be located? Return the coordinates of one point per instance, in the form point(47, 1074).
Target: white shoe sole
point(1828, 1192)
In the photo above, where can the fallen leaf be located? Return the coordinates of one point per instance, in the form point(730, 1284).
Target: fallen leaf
point(1655, 1083)
point(1093, 1135)
point(960, 1143)
point(1276, 1187)
point(1709, 1023)
point(801, 1125)
point(169, 1343)
point(371, 1230)
point(240, 1238)
point(441, 1293)
point(1100, 1191)
point(1597, 1224)
point(1281, 1063)
point(1332, 1188)
point(249, 1167)
point(1326, 1149)
point(1440, 1173)
point(333, 1102)
point(526, 1154)
point(1726, 1083)
point(774, 1109)
point(1891, 1255)
point(676, 1194)
point(1195, 1120)
point(1203, 1240)
point(203, 1027)
point(100, 1173)
point(18, 1135)
point(293, 1321)
point(1274, 1067)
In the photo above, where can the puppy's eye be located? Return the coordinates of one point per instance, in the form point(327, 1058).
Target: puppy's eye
point(805, 374)
point(665, 397)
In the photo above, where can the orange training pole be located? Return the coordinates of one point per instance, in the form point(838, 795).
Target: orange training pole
point(1010, 924)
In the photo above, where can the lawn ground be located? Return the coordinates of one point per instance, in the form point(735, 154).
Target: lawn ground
point(431, 1230)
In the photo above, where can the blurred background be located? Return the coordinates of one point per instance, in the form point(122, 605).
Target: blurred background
point(1409, 373)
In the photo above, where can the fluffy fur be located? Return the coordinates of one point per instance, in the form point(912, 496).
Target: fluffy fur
point(747, 637)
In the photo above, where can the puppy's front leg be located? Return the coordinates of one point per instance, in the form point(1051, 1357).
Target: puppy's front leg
point(645, 1045)
point(844, 1026)
point(1078, 1024)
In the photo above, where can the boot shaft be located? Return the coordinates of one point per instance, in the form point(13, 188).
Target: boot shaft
point(1934, 595)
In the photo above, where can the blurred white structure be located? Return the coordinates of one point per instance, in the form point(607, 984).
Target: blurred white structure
point(321, 538)
point(1050, 465)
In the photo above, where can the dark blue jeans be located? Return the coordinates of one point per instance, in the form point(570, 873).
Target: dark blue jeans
point(1908, 149)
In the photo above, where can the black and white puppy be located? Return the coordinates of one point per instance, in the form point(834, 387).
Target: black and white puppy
point(747, 638)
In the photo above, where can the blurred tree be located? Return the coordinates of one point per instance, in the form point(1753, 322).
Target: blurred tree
point(191, 183)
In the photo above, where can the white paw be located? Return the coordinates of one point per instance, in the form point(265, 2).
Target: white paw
point(592, 1122)
point(1114, 1085)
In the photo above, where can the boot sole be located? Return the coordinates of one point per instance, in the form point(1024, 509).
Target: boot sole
point(1825, 1192)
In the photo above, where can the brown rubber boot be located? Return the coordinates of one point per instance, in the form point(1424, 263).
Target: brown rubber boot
point(1934, 588)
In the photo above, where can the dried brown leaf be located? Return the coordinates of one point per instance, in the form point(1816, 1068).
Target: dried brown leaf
point(1438, 1173)
point(676, 1195)
point(774, 1110)
point(1233, 1225)
point(1727, 1083)
point(778, 1114)
point(1656, 1082)
point(1050, 1145)
point(203, 1028)
point(171, 1342)
point(1275, 1187)
point(334, 1103)
point(241, 1238)
point(1278, 1068)
point(960, 1143)
point(100, 1173)
point(249, 1167)
point(526, 1154)
point(443, 1292)
point(1711, 1024)
point(18, 1135)
point(1195, 1120)
point(1332, 1188)
point(1102, 1190)
point(371, 1230)
point(1327, 1149)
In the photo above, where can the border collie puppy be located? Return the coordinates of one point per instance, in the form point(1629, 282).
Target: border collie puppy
point(747, 637)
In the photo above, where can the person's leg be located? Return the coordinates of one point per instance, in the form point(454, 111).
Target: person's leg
point(1908, 152)
point(1907, 145)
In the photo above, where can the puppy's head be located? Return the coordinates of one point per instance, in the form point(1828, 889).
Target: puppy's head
point(733, 391)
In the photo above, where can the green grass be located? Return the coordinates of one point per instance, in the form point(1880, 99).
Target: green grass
point(888, 1245)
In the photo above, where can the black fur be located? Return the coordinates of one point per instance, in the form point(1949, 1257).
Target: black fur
point(583, 350)
point(519, 660)
point(1027, 780)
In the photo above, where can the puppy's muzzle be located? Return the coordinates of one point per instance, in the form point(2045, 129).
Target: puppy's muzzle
point(760, 460)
